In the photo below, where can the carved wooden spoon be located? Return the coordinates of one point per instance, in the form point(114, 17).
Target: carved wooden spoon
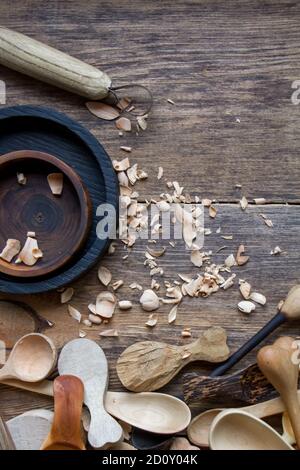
point(277, 365)
point(66, 432)
point(149, 365)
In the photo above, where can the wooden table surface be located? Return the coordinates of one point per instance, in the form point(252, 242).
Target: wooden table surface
point(229, 67)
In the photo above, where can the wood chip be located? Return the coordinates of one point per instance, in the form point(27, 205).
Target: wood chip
point(277, 250)
point(259, 200)
point(67, 295)
point(227, 237)
point(229, 282)
point(92, 308)
point(125, 148)
point(230, 261)
point(258, 298)
point(108, 333)
point(105, 304)
point(74, 313)
point(206, 202)
point(123, 124)
point(123, 103)
point(142, 122)
point(112, 248)
point(81, 334)
point(212, 212)
point(245, 289)
point(56, 183)
point(117, 284)
point(246, 306)
point(149, 300)
point(170, 101)
point(243, 203)
point(156, 253)
point(160, 172)
point(152, 320)
point(186, 333)
point(11, 249)
point(26, 255)
point(21, 178)
point(266, 220)
point(104, 275)
point(122, 165)
point(135, 285)
point(95, 319)
point(172, 314)
point(31, 234)
point(125, 304)
point(197, 258)
point(102, 110)
point(241, 259)
point(87, 322)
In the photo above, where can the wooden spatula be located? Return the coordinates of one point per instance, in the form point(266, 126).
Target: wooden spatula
point(66, 433)
point(149, 365)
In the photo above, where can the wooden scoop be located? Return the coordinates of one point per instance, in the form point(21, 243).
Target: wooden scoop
point(199, 428)
point(149, 365)
point(32, 359)
point(238, 430)
point(66, 433)
point(153, 412)
point(278, 366)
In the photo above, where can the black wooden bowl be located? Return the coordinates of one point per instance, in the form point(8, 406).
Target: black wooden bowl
point(61, 223)
point(45, 130)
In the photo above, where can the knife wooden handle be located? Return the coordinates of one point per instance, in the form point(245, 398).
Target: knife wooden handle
point(33, 58)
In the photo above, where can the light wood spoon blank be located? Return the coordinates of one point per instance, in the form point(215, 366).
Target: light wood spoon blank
point(277, 365)
point(32, 359)
point(29, 430)
point(149, 365)
point(238, 430)
point(66, 431)
point(153, 412)
point(199, 428)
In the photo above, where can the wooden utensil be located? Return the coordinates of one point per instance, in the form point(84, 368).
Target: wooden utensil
point(33, 58)
point(277, 365)
point(61, 224)
point(32, 359)
point(6, 441)
point(238, 430)
point(153, 412)
point(29, 430)
point(85, 359)
point(198, 429)
point(149, 365)
point(290, 311)
point(66, 432)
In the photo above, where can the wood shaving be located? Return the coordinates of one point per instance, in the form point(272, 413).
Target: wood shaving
point(172, 314)
point(104, 275)
point(87, 322)
point(227, 237)
point(117, 284)
point(245, 289)
point(212, 212)
point(206, 202)
point(125, 304)
point(37, 253)
point(123, 179)
point(142, 122)
point(74, 313)
point(197, 258)
point(95, 319)
point(277, 250)
point(109, 333)
point(122, 165)
point(186, 333)
point(229, 282)
point(149, 300)
point(11, 249)
point(243, 203)
point(31, 234)
point(102, 110)
point(92, 308)
point(156, 253)
point(160, 172)
point(105, 304)
point(230, 261)
point(126, 148)
point(259, 200)
point(163, 206)
point(123, 124)
point(123, 103)
point(81, 334)
point(29, 251)
point(56, 183)
point(67, 295)
point(170, 101)
point(266, 220)
point(258, 298)
point(21, 178)
point(152, 320)
point(241, 259)
point(246, 306)
point(135, 285)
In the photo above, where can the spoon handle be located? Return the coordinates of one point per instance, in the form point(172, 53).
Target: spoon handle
point(45, 387)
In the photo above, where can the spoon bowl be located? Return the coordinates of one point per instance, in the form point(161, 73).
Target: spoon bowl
point(237, 430)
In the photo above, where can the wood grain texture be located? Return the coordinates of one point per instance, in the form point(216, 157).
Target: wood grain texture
point(229, 67)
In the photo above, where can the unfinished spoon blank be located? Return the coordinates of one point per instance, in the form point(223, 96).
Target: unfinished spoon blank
point(86, 360)
point(66, 432)
point(238, 430)
point(30, 429)
point(198, 429)
point(149, 365)
point(277, 365)
point(164, 413)
point(32, 359)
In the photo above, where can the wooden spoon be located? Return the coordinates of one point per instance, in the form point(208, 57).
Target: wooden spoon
point(198, 429)
point(32, 359)
point(238, 430)
point(149, 365)
point(66, 432)
point(277, 365)
point(153, 412)
point(29, 430)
